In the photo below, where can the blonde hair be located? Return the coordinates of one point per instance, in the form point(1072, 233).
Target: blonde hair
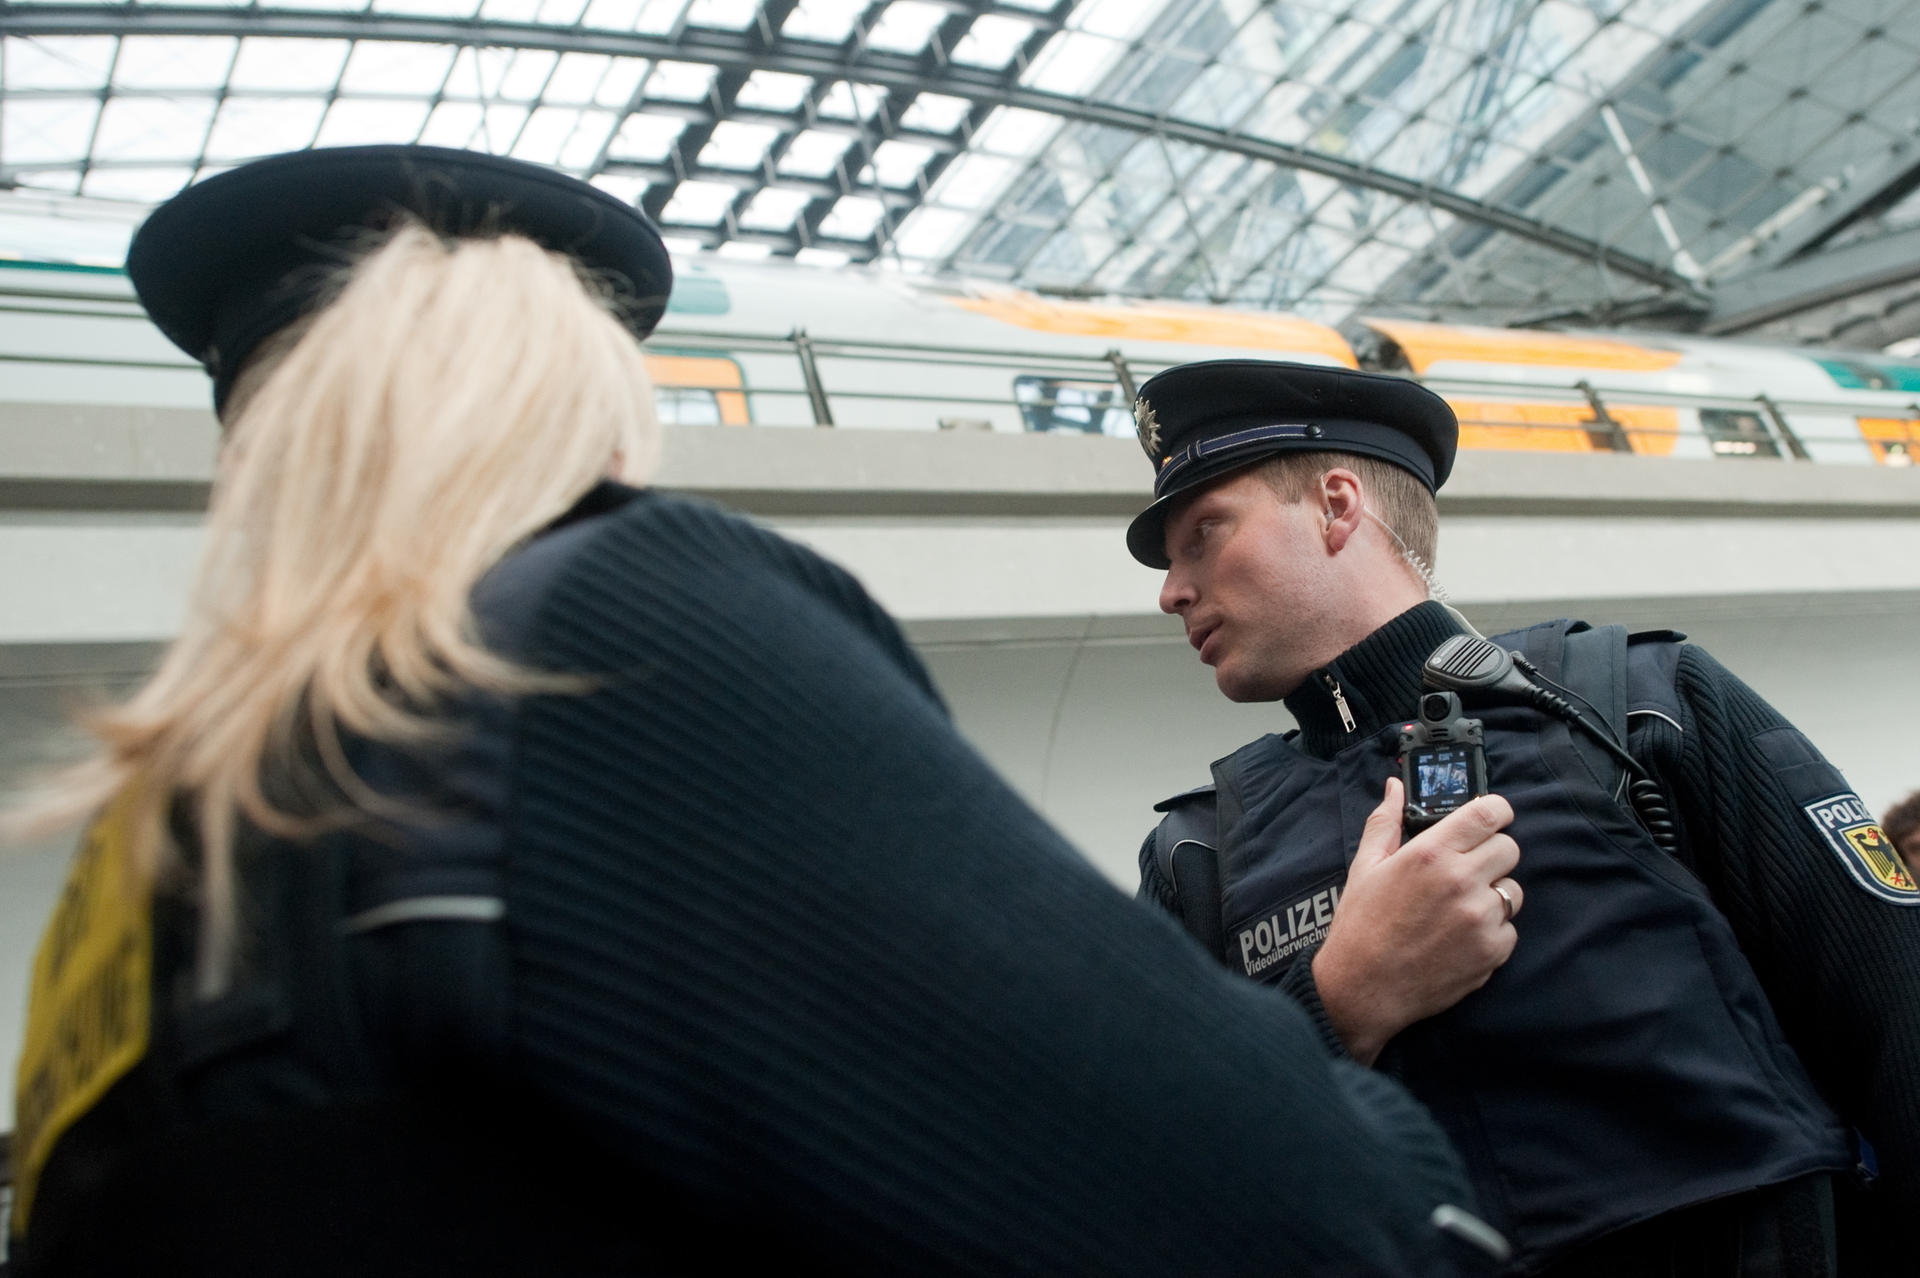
point(455, 398)
point(1395, 497)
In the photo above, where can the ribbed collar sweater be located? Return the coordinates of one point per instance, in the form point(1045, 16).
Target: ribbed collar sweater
point(1377, 681)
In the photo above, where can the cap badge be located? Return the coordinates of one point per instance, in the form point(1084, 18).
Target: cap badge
point(1147, 426)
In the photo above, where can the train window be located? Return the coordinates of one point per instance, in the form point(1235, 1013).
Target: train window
point(1055, 403)
point(680, 406)
point(1735, 432)
point(693, 389)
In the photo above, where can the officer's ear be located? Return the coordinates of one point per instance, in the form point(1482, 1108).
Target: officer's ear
point(1342, 507)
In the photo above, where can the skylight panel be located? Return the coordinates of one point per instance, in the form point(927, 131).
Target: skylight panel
point(973, 181)
point(646, 139)
point(658, 17)
point(905, 26)
point(814, 153)
point(146, 186)
point(250, 127)
point(723, 15)
point(852, 217)
point(288, 65)
point(366, 121)
point(929, 232)
point(774, 91)
point(738, 145)
point(382, 66)
point(526, 74)
point(63, 62)
point(564, 137)
point(1016, 131)
point(699, 203)
point(621, 81)
point(47, 130)
point(352, 6)
point(1072, 62)
point(822, 259)
point(935, 113)
point(898, 164)
point(474, 126)
point(992, 41)
point(746, 250)
point(65, 181)
point(560, 13)
point(844, 101)
point(627, 190)
point(1118, 19)
point(682, 245)
point(612, 15)
point(827, 21)
point(172, 62)
point(428, 8)
point(152, 128)
point(593, 79)
point(576, 78)
point(680, 82)
point(774, 209)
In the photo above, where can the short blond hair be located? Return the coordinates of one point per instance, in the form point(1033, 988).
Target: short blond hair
point(1398, 499)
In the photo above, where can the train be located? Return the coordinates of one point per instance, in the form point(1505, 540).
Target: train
point(769, 344)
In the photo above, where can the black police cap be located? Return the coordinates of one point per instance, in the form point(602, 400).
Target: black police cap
point(1198, 422)
point(231, 260)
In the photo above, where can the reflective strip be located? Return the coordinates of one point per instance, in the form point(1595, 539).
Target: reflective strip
point(1472, 1230)
point(417, 909)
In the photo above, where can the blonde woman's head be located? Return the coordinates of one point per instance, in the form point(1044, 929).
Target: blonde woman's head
point(380, 455)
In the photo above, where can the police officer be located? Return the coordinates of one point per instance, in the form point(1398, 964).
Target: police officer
point(512, 870)
point(1669, 1070)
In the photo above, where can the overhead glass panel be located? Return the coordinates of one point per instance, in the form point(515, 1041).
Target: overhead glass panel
point(774, 91)
point(60, 62)
point(827, 21)
point(48, 131)
point(288, 66)
point(737, 145)
point(935, 113)
point(249, 127)
point(814, 153)
point(905, 26)
point(646, 139)
point(679, 81)
point(853, 217)
point(393, 67)
point(139, 185)
point(699, 203)
point(774, 209)
point(366, 121)
point(992, 41)
point(844, 101)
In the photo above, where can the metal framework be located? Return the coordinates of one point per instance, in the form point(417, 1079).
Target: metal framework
point(1498, 160)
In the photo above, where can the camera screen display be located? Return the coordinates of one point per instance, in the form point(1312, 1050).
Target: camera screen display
point(1440, 778)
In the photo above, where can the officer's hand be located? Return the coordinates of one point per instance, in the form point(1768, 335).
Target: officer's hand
point(1419, 927)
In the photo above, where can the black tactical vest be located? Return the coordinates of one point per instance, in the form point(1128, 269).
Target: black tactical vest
point(1624, 1061)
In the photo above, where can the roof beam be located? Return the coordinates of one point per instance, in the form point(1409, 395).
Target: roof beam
point(1759, 297)
point(733, 51)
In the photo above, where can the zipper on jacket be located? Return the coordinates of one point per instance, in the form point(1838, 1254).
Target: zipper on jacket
point(1339, 700)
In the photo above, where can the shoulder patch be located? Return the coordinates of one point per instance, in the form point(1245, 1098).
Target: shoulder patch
point(1863, 847)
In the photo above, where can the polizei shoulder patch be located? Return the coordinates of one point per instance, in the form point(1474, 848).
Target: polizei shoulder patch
point(1863, 847)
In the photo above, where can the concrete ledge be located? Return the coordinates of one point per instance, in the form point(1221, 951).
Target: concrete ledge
point(97, 457)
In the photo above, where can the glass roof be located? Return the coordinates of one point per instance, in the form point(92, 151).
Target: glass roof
point(1487, 160)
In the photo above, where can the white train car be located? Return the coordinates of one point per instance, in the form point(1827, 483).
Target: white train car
point(762, 344)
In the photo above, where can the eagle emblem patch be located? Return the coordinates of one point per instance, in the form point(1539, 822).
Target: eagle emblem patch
point(1147, 427)
point(1864, 848)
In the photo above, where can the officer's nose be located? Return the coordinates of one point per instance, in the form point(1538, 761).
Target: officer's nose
point(1176, 595)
